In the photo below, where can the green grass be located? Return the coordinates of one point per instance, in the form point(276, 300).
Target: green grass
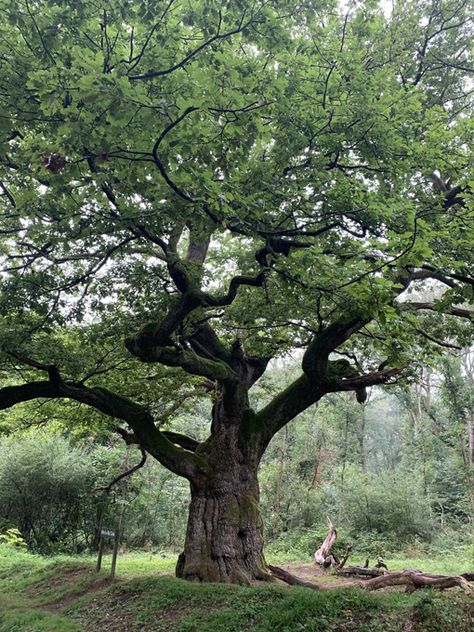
point(64, 594)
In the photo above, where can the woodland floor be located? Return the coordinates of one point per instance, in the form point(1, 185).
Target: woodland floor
point(66, 595)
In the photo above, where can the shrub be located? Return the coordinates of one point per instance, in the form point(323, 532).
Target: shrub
point(13, 537)
point(46, 489)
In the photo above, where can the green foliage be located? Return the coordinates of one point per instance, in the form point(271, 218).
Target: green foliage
point(273, 140)
point(390, 473)
point(412, 494)
point(387, 506)
point(46, 490)
point(51, 489)
point(301, 543)
point(13, 537)
point(151, 153)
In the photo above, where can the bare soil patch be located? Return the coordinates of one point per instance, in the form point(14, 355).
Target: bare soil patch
point(64, 576)
point(75, 583)
point(314, 573)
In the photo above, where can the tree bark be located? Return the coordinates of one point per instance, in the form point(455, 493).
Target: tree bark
point(470, 438)
point(224, 538)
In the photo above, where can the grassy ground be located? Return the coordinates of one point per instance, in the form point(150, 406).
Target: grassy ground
point(65, 595)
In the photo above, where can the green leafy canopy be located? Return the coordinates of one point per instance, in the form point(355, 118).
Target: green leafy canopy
point(319, 154)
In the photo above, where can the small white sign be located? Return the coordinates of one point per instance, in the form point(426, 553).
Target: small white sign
point(107, 533)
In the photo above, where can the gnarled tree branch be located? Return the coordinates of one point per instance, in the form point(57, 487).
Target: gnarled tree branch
point(178, 460)
point(181, 64)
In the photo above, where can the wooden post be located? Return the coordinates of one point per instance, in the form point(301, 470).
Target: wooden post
point(101, 551)
point(105, 534)
point(118, 533)
point(114, 554)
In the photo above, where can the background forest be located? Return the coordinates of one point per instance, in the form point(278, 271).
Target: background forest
point(394, 473)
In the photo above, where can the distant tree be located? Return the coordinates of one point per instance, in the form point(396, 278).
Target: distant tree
point(457, 432)
point(217, 184)
point(438, 433)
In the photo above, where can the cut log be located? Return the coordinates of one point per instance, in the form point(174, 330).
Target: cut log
point(412, 580)
point(324, 556)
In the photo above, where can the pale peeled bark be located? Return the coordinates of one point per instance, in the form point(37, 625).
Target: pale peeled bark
point(323, 553)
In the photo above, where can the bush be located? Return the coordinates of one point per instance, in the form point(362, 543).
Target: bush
point(46, 489)
point(13, 537)
point(386, 509)
point(50, 490)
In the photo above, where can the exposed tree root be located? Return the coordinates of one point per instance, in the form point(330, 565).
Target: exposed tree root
point(413, 580)
point(288, 578)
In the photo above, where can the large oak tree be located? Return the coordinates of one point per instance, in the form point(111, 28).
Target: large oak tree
point(190, 189)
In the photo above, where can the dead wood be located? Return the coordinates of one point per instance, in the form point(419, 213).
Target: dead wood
point(288, 578)
point(342, 563)
point(381, 563)
point(360, 571)
point(324, 556)
point(413, 580)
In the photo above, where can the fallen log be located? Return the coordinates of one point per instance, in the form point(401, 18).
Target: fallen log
point(288, 578)
point(360, 571)
point(412, 580)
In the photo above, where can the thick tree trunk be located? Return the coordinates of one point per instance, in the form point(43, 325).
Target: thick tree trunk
point(224, 540)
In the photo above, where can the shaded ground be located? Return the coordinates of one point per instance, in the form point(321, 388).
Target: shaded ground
point(38, 595)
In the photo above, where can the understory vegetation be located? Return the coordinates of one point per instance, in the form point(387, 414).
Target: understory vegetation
point(389, 472)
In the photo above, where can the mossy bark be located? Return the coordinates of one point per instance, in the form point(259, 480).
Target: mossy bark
point(224, 539)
